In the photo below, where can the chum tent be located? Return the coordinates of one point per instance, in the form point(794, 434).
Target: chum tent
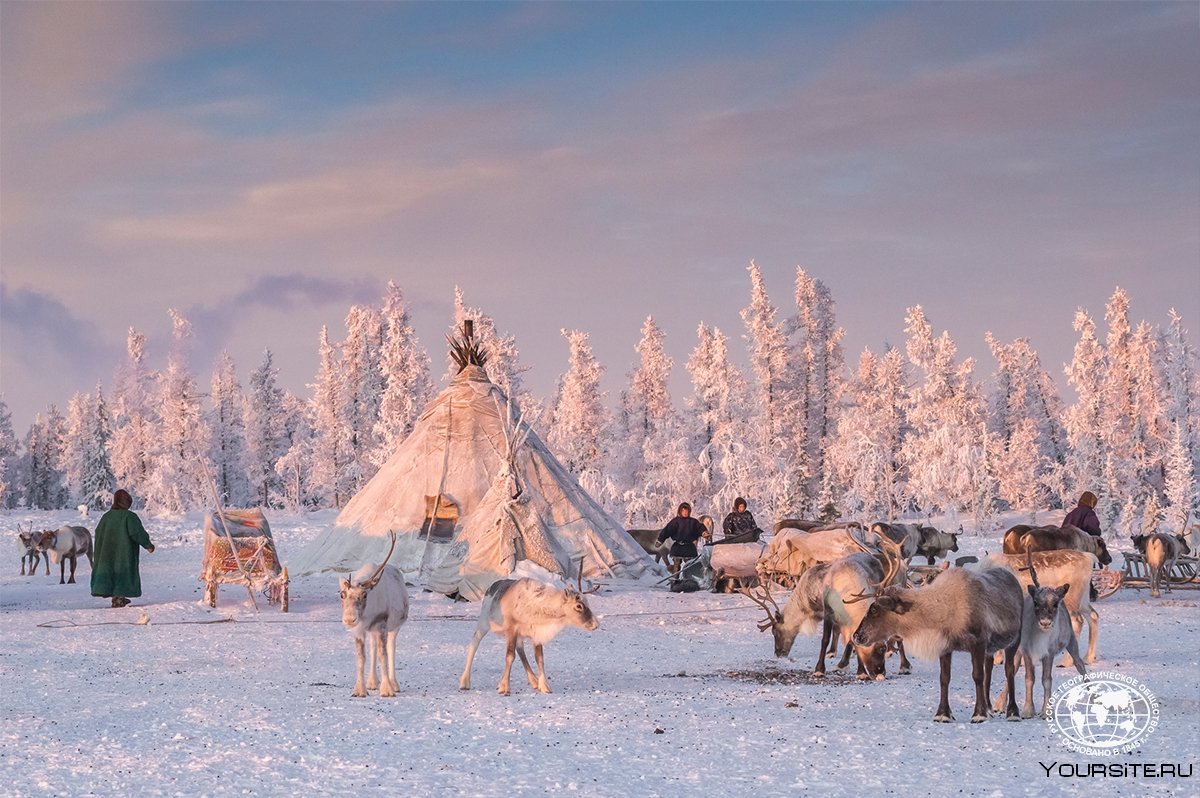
point(471, 492)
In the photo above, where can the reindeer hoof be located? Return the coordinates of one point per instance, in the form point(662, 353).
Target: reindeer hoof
point(818, 674)
point(464, 686)
point(1016, 717)
point(862, 677)
point(905, 670)
point(879, 677)
point(372, 685)
point(978, 718)
point(359, 694)
point(943, 718)
point(503, 691)
point(387, 692)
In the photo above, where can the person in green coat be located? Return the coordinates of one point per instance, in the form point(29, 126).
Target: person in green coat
point(118, 535)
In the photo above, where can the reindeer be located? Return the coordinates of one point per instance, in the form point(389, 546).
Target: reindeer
point(935, 543)
point(28, 541)
point(1161, 552)
point(375, 608)
point(826, 593)
point(648, 540)
point(66, 543)
point(1045, 630)
point(526, 609)
point(790, 552)
point(961, 610)
point(1057, 567)
point(1022, 538)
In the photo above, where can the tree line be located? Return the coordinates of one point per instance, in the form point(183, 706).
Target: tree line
point(903, 433)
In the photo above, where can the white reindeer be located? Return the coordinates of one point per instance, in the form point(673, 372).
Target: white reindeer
point(526, 609)
point(375, 608)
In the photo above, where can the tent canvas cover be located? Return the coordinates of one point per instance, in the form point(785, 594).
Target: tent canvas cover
point(471, 492)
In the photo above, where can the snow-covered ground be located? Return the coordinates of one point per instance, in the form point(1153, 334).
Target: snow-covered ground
point(672, 694)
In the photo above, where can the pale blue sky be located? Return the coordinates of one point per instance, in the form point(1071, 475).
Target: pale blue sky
point(261, 166)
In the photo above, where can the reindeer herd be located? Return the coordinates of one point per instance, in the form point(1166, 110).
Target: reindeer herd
point(1020, 608)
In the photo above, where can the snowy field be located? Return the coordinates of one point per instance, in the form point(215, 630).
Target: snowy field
point(672, 695)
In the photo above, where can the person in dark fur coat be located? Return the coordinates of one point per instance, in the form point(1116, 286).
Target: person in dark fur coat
point(1084, 515)
point(685, 531)
point(740, 520)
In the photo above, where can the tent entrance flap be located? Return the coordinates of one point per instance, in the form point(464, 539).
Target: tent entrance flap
point(441, 518)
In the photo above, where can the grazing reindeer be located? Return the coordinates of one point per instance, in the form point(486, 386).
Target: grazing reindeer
point(1058, 567)
point(1161, 551)
point(1022, 538)
point(526, 609)
point(1045, 630)
point(66, 543)
point(648, 540)
point(961, 610)
point(375, 608)
point(28, 543)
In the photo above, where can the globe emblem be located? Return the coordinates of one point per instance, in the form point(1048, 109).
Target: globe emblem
point(1103, 715)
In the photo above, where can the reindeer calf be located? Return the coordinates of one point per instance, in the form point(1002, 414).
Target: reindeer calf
point(525, 609)
point(66, 543)
point(375, 609)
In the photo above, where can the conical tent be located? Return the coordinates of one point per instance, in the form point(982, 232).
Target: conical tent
point(469, 493)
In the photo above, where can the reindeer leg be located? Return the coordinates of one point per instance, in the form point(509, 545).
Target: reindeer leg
point(46, 559)
point(943, 711)
point(386, 681)
point(542, 684)
point(1093, 631)
point(845, 660)
point(1010, 673)
point(372, 658)
point(826, 633)
point(62, 570)
point(1077, 625)
point(905, 665)
point(481, 631)
point(978, 674)
point(1001, 699)
point(529, 674)
point(861, 673)
point(1030, 680)
point(74, 560)
point(510, 653)
point(391, 659)
point(361, 654)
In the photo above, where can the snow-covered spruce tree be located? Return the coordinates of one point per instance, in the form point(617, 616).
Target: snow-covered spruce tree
point(330, 436)
point(178, 480)
point(135, 412)
point(407, 387)
point(360, 387)
point(1086, 455)
point(818, 351)
point(89, 475)
point(265, 441)
point(294, 466)
point(1181, 386)
point(503, 367)
point(227, 420)
point(780, 471)
point(648, 434)
point(720, 435)
point(1180, 483)
point(865, 450)
point(9, 456)
point(1117, 419)
point(46, 481)
point(1024, 415)
point(578, 424)
point(946, 410)
point(1149, 426)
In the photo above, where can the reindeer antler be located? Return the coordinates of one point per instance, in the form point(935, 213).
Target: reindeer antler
point(761, 599)
point(375, 577)
point(895, 565)
point(1029, 567)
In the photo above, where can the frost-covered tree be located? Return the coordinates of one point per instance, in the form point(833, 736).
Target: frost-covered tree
point(1181, 386)
point(1180, 482)
point(865, 451)
point(46, 485)
point(89, 474)
point(265, 440)
point(1024, 417)
point(944, 451)
point(178, 479)
point(360, 386)
point(330, 443)
point(135, 415)
point(773, 400)
point(647, 429)
point(1086, 455)
point(578, 419)
point(818, 355)
point(407, 388)
point(1148, 421)
point(720, 435)
point(227, 420)
point(9, 457)
point(1118, 415)
point(294, 467)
